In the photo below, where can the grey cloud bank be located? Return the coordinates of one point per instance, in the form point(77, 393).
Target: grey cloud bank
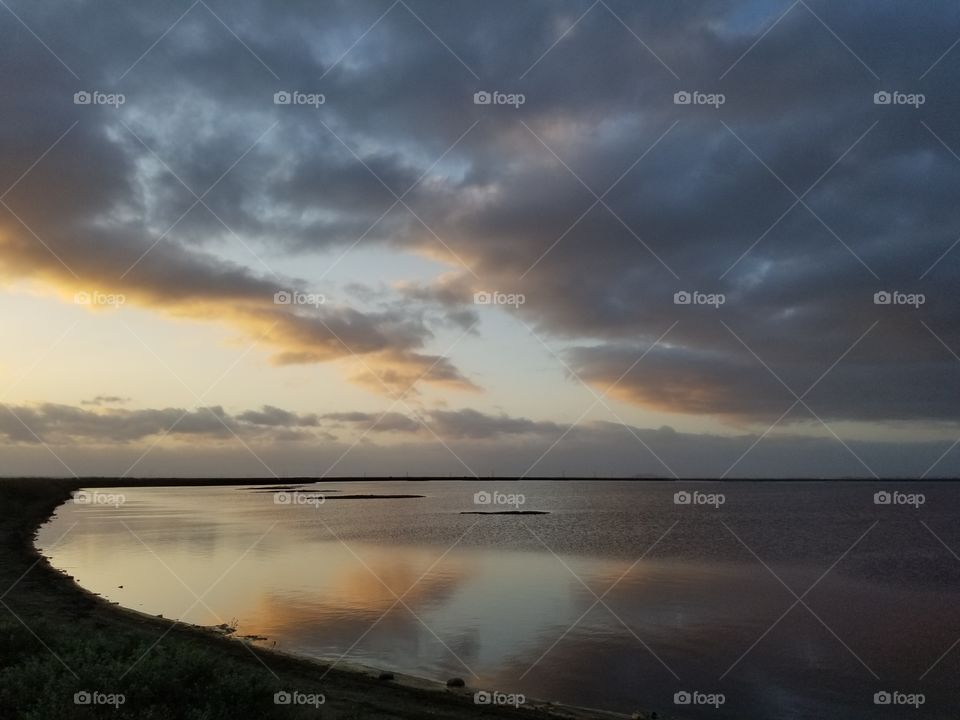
point(598, 199)
point(458, 443)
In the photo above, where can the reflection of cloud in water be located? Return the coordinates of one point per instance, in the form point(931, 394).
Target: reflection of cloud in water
point(484, 608)
point(499, 600)
point(329, 584)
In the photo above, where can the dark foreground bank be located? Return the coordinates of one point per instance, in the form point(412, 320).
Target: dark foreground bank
point(66, 654)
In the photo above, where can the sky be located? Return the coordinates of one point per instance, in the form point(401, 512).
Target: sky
point(627, 239)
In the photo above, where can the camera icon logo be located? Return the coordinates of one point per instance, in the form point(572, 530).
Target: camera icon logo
point(82, 698)
point(682, 97)
point(282, 298)
point(682, 698)
point(882, 98)
point(882, 498)
point(482, 97)
point(82, 98)
point(482, 697)
point(482, 298)
point(682, 498)
point(282, 498)
point(882, 698)
point(682, 298)
point(282, 698)
point(282, 97)
point(882, 298)
point(482, 498)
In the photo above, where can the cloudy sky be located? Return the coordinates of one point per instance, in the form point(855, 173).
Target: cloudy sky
point(533, 238)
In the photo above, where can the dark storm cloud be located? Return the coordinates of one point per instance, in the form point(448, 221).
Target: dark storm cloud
point(602, 279)
point(867, 383)
point(109, 207)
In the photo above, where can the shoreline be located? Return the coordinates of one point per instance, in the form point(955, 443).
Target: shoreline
point(351, 690)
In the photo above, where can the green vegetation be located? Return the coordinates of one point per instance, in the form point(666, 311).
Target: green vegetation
point(55, 641)
point(173, 679)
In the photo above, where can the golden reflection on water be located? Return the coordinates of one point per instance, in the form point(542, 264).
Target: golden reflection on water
point(309, 583)
point(276, 584)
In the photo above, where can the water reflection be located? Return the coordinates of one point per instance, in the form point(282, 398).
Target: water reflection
point(488, 597)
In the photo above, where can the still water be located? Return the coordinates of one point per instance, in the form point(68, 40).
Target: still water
point(791, 600)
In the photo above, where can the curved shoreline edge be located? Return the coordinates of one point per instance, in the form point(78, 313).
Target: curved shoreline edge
point(351, 689)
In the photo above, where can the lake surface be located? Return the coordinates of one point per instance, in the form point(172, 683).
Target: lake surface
point(618, 599)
